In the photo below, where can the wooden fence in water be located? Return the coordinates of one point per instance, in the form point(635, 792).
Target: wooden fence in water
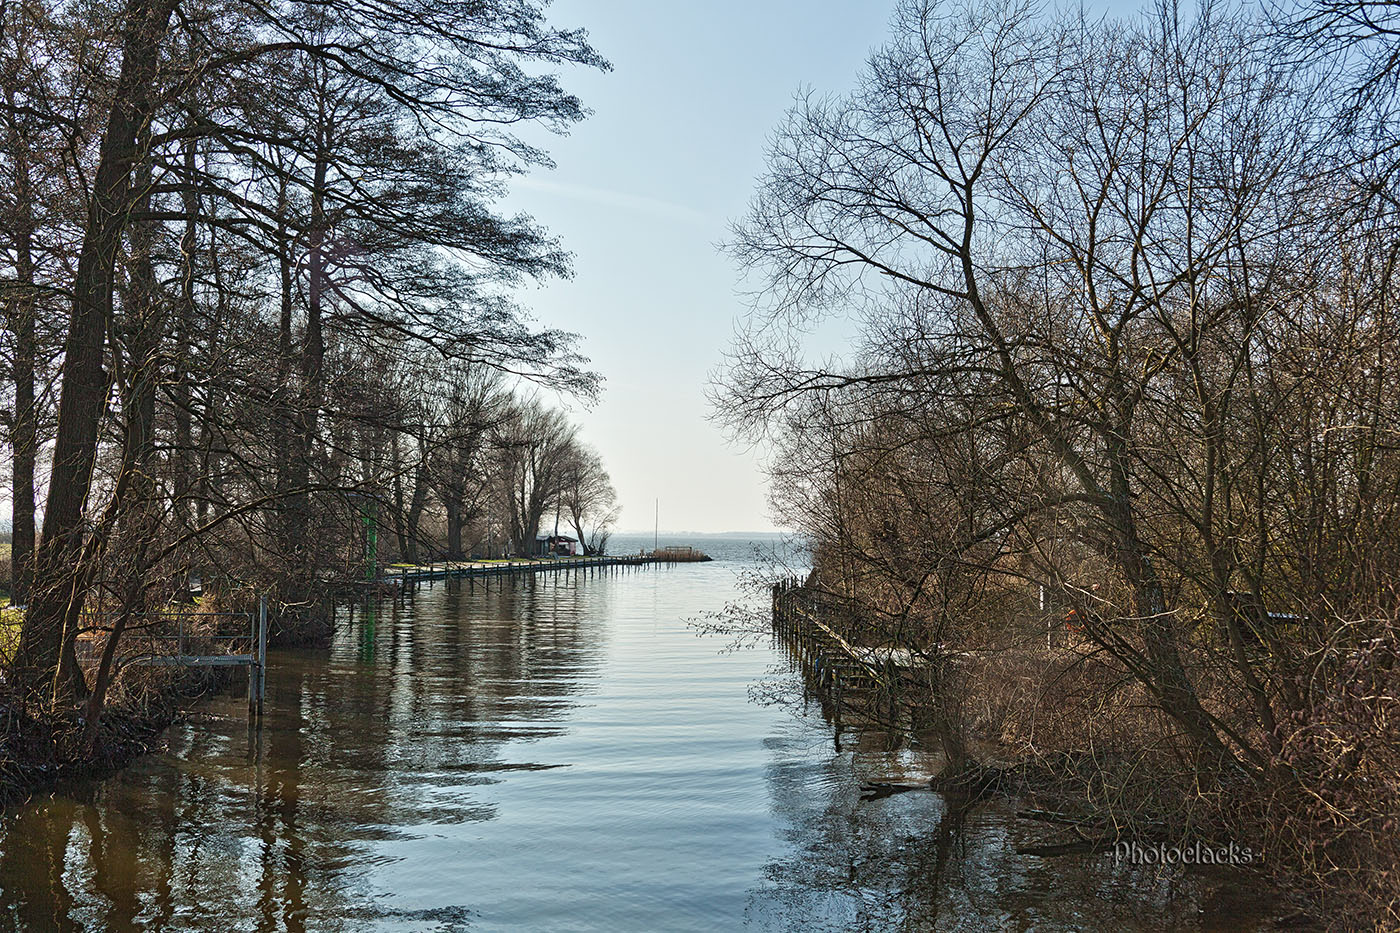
point(856, 684)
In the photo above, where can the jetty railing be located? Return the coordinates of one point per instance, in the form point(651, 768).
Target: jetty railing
point(185, 638)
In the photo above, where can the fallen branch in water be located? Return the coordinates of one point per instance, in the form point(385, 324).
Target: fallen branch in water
point(1078, 847)
point(878, 790)
point(973, 782)
point(1102, 836)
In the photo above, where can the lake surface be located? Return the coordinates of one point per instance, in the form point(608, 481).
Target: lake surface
point(559, 752)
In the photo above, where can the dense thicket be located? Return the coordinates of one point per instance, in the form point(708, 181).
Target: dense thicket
point(1128, 359)
point(257, 296)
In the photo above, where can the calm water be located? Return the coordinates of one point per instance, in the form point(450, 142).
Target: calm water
point(552, 753)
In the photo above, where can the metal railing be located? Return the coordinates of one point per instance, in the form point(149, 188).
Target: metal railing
point(198, 639)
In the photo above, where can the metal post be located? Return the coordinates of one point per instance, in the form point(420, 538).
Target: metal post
point(262, 652)
point(1049, 623)
point(252, 666)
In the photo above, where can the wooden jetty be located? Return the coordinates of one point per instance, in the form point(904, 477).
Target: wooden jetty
point(400, 574)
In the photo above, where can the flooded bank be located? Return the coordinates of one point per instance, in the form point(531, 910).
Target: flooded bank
point(546, 753)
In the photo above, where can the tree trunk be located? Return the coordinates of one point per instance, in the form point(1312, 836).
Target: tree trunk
point(1175, 692)
point(454, 528)
point(416, 504)
point(396, 489)
point(306, 418)
point(137, 523)
point(283, 414)
point(211, 423)
point(183, 452)
point(25, 437)
point(576, 520)
point(57, 595)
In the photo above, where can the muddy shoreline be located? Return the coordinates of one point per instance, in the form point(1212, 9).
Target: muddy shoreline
point(30, 760)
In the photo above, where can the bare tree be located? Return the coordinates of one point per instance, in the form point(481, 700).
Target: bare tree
point(356, 148)
point(588, 499)
point(535, 445)
point(1127, 355)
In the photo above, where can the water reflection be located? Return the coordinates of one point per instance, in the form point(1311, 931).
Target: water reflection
point(364, 750)
point(533, 754)
point(925, 861)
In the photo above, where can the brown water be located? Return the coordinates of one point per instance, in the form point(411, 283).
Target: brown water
point(550, 753)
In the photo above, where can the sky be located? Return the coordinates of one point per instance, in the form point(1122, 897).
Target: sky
point(643, 192)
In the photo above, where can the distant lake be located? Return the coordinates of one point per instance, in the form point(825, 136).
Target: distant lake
point(740, 548)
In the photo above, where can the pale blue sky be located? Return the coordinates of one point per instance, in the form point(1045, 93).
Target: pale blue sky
point(643, 192)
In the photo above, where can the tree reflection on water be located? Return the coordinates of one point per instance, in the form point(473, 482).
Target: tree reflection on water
point(544, 754)
point(273, 829)
point(925, 861)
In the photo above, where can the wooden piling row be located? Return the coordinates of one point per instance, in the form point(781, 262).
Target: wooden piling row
point(853, 684)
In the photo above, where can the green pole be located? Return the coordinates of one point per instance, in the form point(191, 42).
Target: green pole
point(367, 512)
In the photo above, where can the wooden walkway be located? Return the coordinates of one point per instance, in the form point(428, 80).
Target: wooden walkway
point(494, 568)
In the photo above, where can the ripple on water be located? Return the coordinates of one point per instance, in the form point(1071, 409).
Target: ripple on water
point(539, 754)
